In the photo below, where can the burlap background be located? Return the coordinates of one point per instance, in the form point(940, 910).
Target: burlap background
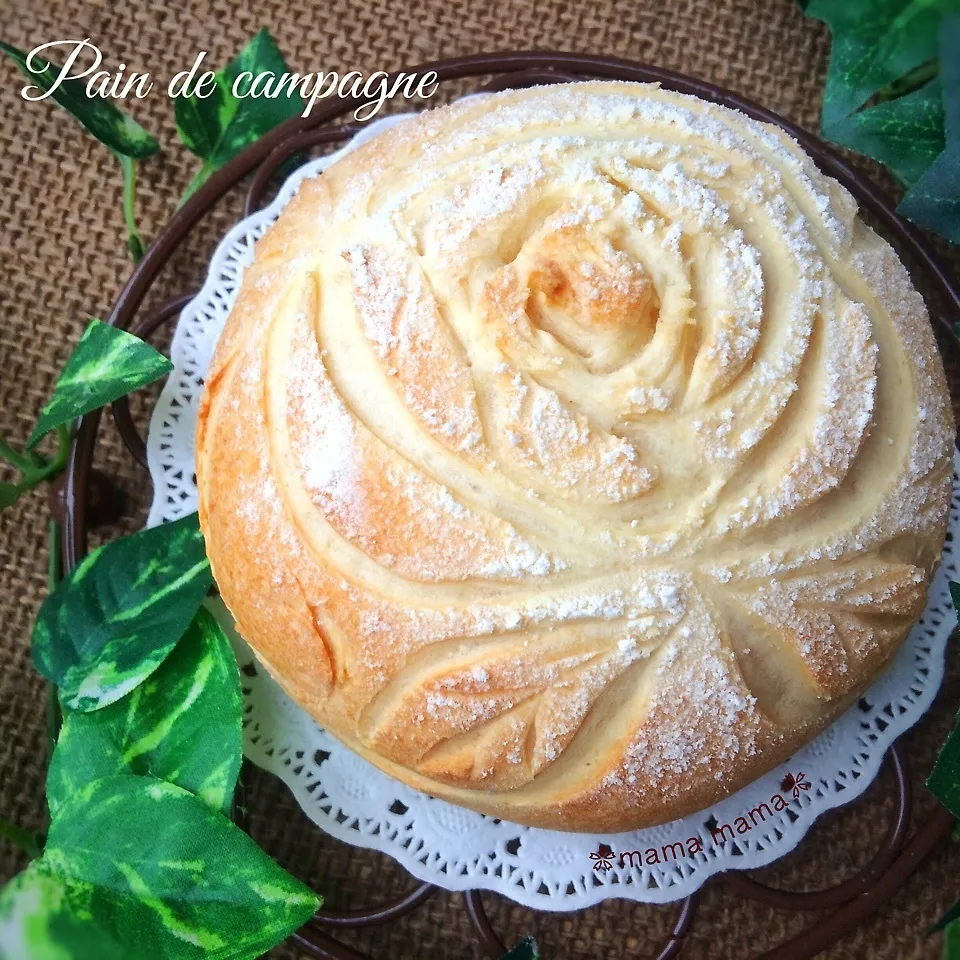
point(62, 259)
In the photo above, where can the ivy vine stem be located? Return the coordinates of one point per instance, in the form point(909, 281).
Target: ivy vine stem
point(63, 452)
point(32, 467)
point(20, 461)
point(134, 240)
point(53, 565)
point(54, 574)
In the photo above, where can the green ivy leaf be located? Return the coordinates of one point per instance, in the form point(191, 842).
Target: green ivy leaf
point(944, 782)
point(875, 43)
point(944, 779)
point(182, 724)
point(106, 364)
point(218, 127)
point(955, 594)
point(43, 917)
point(526, 949)
point(98, 115)
point(934, 200)
point(170, 877)
point(951, 941)
point(113, 128)
point(201, 120)
point(906, 134)
point(119, 613)
point(901, 53)
point(952, 914)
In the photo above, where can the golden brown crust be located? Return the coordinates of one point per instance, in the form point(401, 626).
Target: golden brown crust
point(575, 454)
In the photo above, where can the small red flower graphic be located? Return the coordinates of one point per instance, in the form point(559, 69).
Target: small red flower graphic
point(603, 858)
point(795, 784)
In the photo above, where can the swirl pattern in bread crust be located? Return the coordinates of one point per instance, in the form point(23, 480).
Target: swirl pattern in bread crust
point(575, 454)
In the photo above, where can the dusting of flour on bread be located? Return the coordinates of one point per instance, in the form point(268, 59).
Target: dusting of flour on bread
point(595, 454)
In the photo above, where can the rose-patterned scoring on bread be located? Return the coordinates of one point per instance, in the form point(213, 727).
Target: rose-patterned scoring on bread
point(575, 454)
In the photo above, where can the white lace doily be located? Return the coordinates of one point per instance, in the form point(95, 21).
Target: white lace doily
point(456, 848)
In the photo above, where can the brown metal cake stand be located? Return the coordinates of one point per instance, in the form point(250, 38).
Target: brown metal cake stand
point(851, 901)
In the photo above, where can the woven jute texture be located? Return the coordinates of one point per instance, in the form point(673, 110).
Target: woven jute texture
point(63, 259)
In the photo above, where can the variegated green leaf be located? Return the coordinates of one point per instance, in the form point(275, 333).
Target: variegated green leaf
point(98, 115)
point(944, 779)
point(906, 133)
point(171, 875)
point(526, 949)
point(875, 43)
point(119, 613)
point(44, 917)
point(934, 200)
point(951, 915)
point(891, 91)
point(218, 127)
point(951, 941)
point(114, 129)
point(201, 120)
point(106, 364)
point(182, 724)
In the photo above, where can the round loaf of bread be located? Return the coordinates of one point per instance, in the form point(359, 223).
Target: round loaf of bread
point(575, 454)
